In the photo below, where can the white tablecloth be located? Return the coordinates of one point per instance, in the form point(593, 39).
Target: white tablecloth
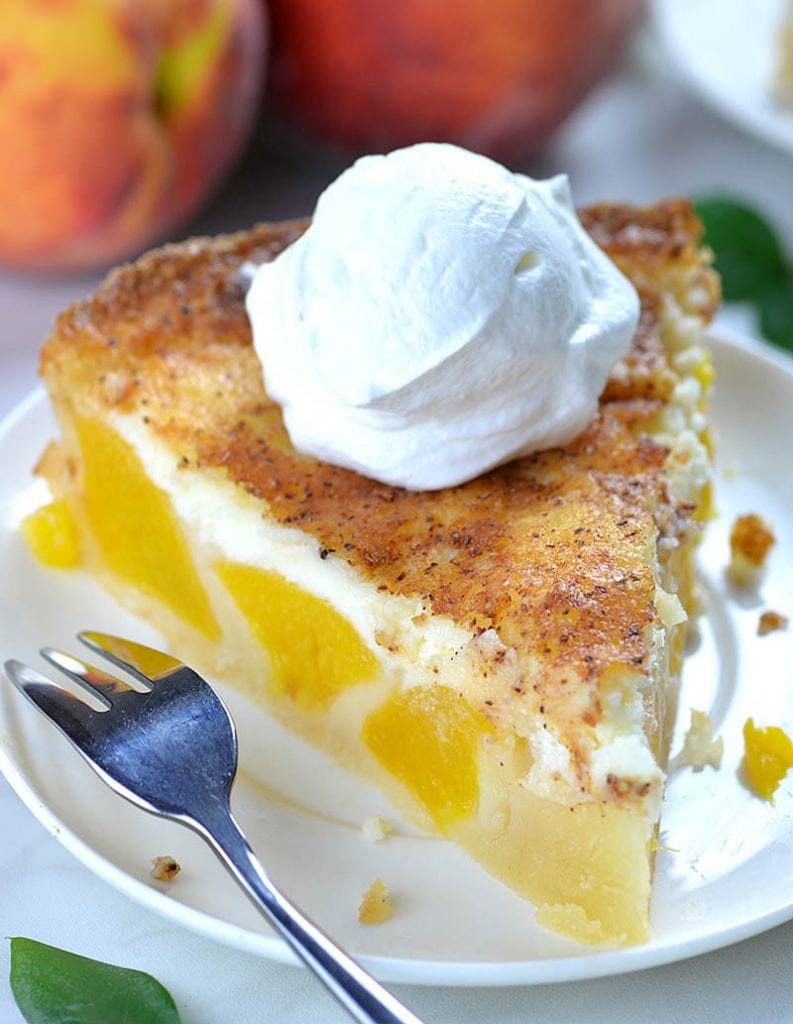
point(642, 135)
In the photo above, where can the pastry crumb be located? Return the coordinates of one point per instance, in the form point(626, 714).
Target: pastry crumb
point(751, 538)
point(770, 621)
point(165, 869)
point(376, 905)
point(700, 748)
point(375, 828)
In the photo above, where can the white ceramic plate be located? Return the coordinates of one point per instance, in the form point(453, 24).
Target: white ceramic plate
point(727, 50)
point(728, 873)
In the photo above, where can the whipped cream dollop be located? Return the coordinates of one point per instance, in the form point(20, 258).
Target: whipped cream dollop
point(439, 317)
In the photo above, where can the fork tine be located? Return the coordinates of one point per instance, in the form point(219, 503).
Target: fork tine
point(145, 663)
point(95, 681)
point(71, 714)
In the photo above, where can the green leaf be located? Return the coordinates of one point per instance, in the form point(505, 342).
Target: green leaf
point(748, 255)
point(51, 986)
point(776, 313)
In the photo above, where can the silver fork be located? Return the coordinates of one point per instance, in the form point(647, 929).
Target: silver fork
point(172, 750)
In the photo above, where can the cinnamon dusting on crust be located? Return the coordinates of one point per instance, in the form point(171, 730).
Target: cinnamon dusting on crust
point(550, 550)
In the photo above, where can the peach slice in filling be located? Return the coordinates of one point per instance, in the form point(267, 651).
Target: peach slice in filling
point(428, 737)
point(314, 652)
point(134, 528)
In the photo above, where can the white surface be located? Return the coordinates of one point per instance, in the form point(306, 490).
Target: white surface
point(731, 60)
point(641, 136)
point(730, 875)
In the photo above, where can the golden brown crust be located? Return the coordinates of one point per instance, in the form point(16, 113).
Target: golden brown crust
point(550, 550)
point(646, 241)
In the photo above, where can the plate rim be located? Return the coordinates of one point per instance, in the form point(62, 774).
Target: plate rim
point(475, 973)
point(772, 125)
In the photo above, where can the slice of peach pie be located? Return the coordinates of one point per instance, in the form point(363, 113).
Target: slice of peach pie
point(500, 657)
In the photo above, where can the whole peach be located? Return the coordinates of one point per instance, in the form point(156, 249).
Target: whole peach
point(117, 118)
point(497, 76)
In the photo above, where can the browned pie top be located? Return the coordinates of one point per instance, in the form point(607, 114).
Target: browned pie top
point(550, 549)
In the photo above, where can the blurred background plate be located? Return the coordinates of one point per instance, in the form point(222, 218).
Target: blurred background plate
point(727, 51)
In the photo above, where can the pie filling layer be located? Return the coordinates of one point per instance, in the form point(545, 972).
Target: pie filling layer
point(585, 864)
point(501, 660)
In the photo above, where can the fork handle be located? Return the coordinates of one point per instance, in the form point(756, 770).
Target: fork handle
point(364, 998)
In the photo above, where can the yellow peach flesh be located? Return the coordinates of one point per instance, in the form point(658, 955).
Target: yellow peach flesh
point(768, 754)
point(428, 737)
point(133, 525)
point(51, 535)
point(314, 652)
